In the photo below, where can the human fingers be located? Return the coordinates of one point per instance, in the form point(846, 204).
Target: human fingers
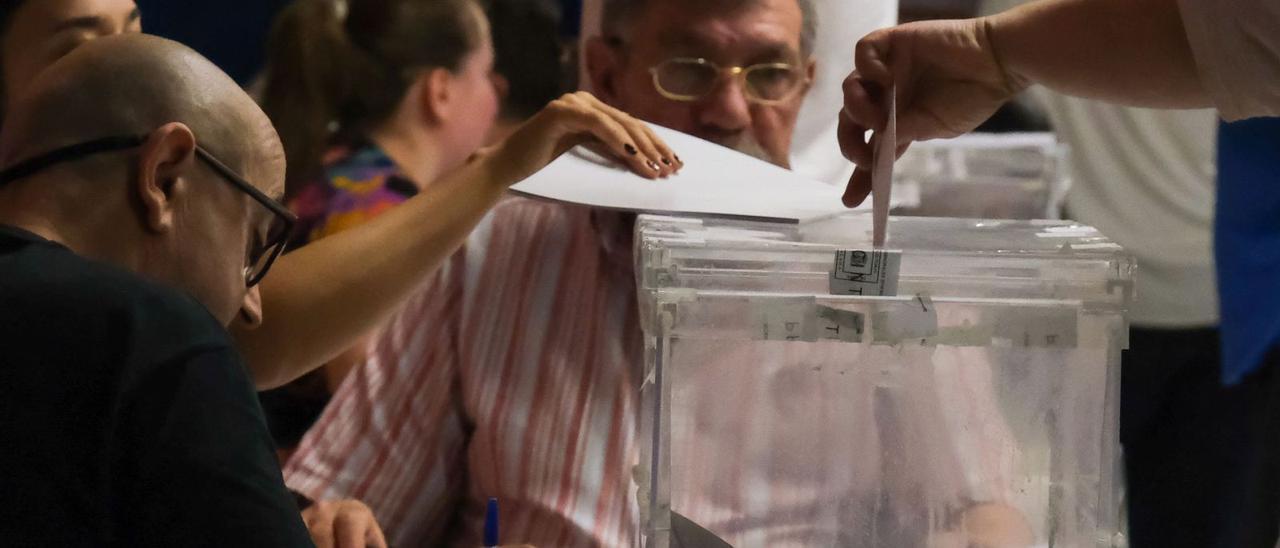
point(645, 138)
point(377, 539)
point(852, 138)
point(583, 119)
point(872, 55)
point(354, 526)
point(348, 532)
point(667, 153)
point(864, 100)
point(858, 189)
point(319, 521)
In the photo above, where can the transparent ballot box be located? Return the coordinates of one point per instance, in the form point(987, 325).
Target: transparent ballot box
point(959, 389)
point(983, 175)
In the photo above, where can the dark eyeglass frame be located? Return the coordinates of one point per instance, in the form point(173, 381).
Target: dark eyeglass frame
point(738, 72)
point(277, 236)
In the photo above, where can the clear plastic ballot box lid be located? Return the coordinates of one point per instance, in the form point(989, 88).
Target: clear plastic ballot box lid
point(959, 388)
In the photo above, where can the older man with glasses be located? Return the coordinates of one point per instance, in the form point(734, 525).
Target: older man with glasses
point(130, 236)
point(734, 73)
point(515, 372)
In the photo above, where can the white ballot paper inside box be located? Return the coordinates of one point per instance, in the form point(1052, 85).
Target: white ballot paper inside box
point(716, 182)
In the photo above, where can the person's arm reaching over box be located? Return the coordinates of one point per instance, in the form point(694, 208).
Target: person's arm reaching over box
point(952, 75)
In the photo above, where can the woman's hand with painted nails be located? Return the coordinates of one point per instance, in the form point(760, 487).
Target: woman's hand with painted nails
point(581, 119)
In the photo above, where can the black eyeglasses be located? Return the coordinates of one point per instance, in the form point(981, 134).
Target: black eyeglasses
point(260, 255)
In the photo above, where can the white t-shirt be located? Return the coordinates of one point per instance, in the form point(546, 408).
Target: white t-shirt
point(1146, 179)
point(1236, 45)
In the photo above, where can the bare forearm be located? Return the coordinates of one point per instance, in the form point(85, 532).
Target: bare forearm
point(1133, 52)
point(320, 298)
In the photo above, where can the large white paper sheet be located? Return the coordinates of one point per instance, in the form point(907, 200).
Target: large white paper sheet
point(716, 181)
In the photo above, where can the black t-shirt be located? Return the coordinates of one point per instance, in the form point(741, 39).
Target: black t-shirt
point(127, 417)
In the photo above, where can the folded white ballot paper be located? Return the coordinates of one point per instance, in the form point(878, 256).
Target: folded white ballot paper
point(716, 181)
point(875, 272)
point(885, 154)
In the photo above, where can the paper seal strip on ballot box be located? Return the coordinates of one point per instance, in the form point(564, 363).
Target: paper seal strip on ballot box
point(866, 273)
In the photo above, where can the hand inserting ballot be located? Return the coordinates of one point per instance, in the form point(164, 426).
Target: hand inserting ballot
point(948, 79)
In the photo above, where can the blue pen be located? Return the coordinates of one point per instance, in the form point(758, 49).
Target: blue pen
point(491, 524)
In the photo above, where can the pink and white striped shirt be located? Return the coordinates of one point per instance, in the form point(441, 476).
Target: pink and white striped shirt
point(514, 373)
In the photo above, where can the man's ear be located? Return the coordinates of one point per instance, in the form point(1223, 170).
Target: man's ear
point(435, 93)
point(501, 86)
point(167, 156)
point(810, 73)
point(603, 63)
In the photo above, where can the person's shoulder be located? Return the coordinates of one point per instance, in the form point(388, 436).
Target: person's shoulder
point(358, 185)
point(360, 169)
point(84, 291)
point(350, 172)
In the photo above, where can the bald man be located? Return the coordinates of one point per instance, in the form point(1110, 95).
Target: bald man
point(135, 221)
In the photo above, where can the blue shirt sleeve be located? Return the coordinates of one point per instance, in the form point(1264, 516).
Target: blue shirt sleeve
point(1247, 243)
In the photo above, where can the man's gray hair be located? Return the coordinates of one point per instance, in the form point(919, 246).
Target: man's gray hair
point(619, 14)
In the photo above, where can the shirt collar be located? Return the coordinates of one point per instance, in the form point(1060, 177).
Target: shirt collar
point(22, 234)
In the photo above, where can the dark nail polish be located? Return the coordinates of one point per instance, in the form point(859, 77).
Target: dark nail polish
point(630, 149)
point(677, 157)
point(666, 161)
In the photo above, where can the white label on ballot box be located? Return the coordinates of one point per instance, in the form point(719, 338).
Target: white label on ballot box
point(899, 321)
point(802, 319)
point(866, 273)
point(786, 320)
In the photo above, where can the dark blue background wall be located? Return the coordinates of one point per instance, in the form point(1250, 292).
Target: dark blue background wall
point(230, 32)
point(233, 32)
